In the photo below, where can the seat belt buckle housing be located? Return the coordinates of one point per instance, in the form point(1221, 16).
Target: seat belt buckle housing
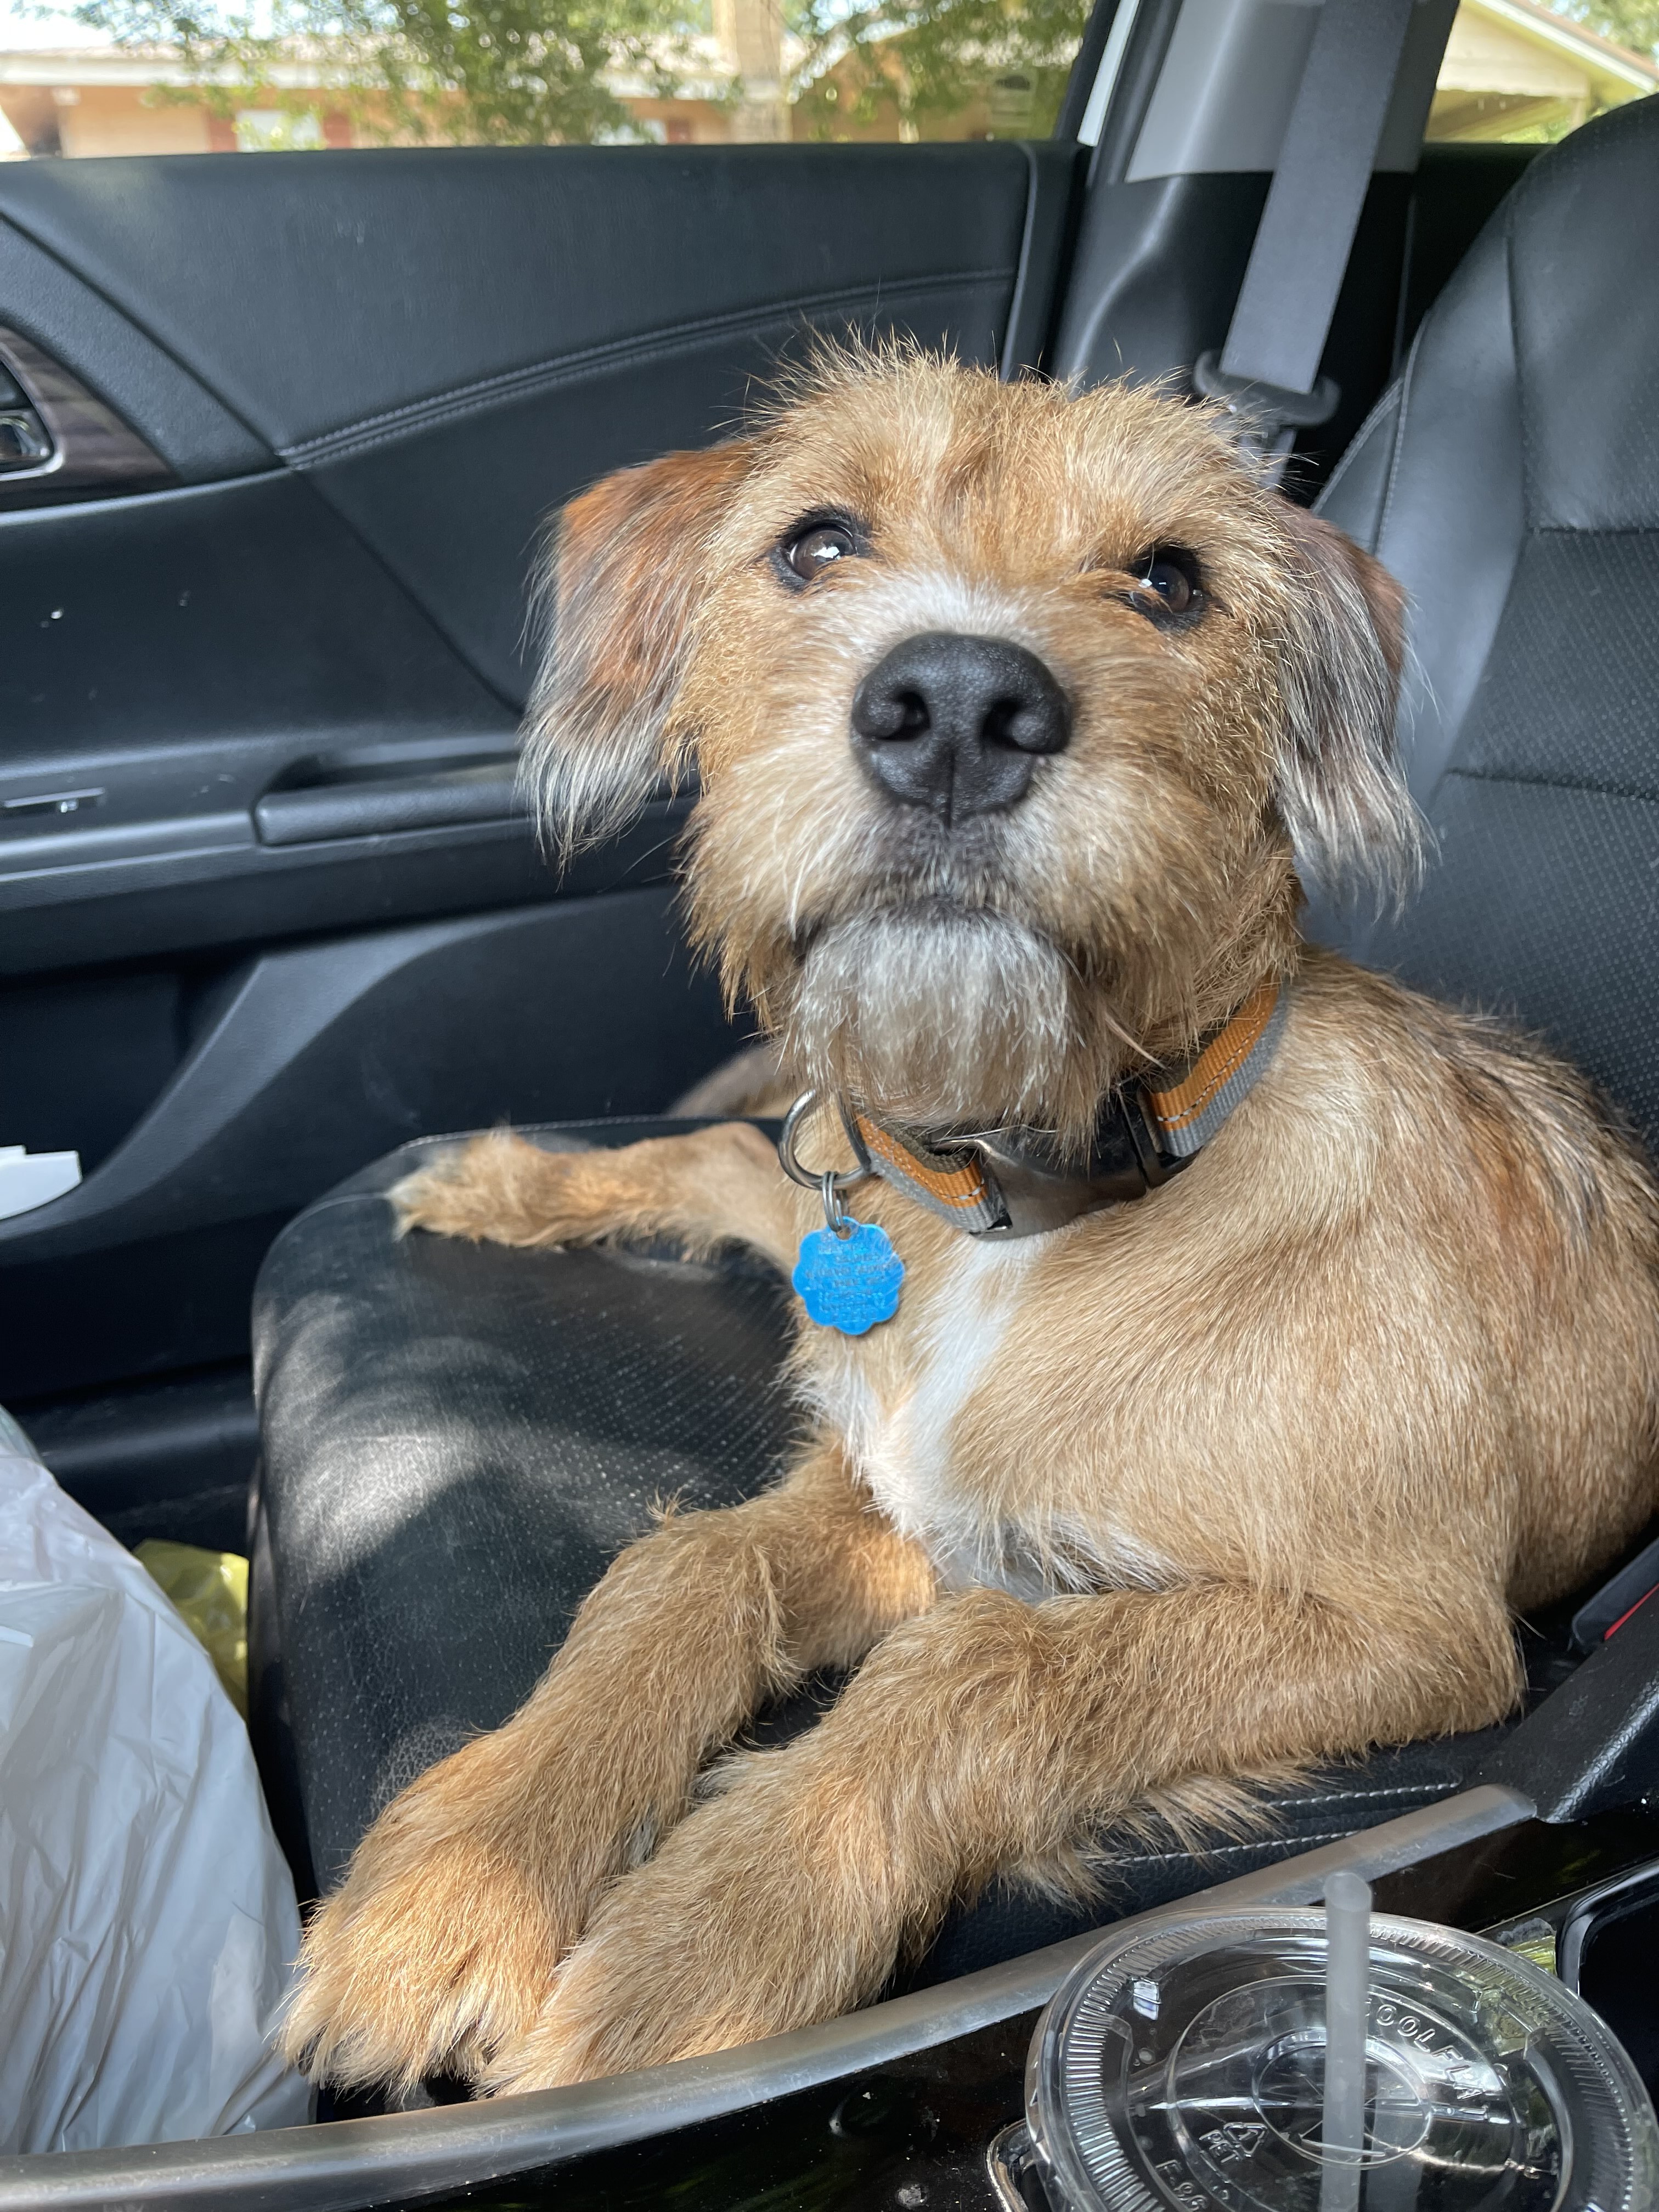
point(1267, 415)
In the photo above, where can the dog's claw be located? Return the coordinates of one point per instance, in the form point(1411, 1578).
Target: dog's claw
point(630, 1997)
point(421, 1200)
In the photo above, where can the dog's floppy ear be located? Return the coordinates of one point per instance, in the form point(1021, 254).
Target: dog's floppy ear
point(1341, 791)
point(625, 570)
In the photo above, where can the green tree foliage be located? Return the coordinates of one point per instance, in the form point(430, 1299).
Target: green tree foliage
point(494, 72)
point(534, 71)
point(510, 72)
point(1633, 23)
point(1005, 61)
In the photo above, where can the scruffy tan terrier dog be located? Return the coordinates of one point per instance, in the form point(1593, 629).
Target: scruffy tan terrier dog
point(1267, 1334)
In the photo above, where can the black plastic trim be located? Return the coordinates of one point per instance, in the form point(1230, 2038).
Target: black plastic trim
point(93, 452)
point(309, 1061)
point(1594, 1745)
point(1085, 67)
point(389, 807)
point(1132, 95)
point(172, 1459)
point(193, 431)
point(1051, 213)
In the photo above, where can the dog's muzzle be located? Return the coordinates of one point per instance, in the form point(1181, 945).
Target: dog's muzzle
point(955, 723)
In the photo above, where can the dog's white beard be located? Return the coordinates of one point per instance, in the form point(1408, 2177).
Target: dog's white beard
point(935, 1016)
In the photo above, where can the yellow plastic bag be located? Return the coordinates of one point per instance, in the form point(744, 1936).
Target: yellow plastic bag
point(209, 1588)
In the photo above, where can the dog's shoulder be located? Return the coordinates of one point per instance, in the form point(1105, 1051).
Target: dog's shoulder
point(1452, 1102)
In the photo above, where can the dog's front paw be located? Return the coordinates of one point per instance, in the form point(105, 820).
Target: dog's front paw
point(745, 1924)
point(496, 1188)
point(429, 1972)
point(636, 1995)
point(441, 1945)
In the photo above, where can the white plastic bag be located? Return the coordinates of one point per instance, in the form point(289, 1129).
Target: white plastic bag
point(147, 1916)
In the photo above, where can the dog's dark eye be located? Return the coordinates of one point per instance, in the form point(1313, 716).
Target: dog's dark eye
point(818, 549)
point(1168, 576)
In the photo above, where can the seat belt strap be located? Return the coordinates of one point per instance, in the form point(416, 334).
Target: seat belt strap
point(1269, 370)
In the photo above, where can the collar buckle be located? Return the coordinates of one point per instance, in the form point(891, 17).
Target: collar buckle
point(1040, 1190)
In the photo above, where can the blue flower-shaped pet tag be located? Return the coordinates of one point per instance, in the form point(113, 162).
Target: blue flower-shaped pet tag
point(851, 1281)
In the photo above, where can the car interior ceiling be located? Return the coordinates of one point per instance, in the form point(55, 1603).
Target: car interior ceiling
point(296, 927)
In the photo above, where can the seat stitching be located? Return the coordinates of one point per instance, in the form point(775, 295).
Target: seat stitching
point(1523, 780)
point(1230, 1850)
point(536, 378)
point(1390, 401)
point(1360, 1796)
point(1396, 457)
point(1520, 369)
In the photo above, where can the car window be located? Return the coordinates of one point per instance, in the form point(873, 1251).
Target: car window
point(1519, 73)
point(166, 76)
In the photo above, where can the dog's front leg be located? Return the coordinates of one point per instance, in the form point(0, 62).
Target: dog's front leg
point(988, 1735)
point(444, 1939)
point(708, 1188)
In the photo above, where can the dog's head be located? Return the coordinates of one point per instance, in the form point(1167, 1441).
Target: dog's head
point(1009, 708)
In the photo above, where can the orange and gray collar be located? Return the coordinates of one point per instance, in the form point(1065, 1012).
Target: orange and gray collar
point(1015, 1182)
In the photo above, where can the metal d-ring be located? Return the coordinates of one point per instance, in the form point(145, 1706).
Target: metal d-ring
point(828, 1183)
point(834, 1214)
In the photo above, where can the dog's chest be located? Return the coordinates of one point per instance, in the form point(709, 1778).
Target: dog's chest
point(1010, 1525)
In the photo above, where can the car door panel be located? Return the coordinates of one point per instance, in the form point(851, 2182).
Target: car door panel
point(455, 503)
point(168, 659)
point(311, 303)
point(305, 1061)
point(449, 344)
point(256, 730)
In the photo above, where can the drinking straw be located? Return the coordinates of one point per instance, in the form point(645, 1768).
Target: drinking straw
point(1347, 1988)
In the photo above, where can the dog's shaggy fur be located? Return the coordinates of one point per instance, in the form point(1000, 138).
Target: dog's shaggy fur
point(1252, 1472)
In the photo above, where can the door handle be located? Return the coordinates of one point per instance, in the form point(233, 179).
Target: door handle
point(390, 805)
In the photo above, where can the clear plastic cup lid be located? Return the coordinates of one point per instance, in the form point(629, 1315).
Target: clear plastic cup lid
point(1184, 2065)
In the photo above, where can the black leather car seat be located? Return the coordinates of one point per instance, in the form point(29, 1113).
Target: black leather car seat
point(1511, 481)
point(457, 1438)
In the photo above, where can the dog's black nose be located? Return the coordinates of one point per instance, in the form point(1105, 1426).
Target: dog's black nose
point(954, 723)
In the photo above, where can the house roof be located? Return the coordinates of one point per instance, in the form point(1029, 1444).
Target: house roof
point(1546, 26)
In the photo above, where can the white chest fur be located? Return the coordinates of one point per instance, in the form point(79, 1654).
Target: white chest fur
point(902, 1439)
point(905, 1449)
point(903, 1436)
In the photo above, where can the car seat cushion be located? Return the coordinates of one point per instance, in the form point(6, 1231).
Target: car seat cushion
point(1522, 514)
point(456, 1440)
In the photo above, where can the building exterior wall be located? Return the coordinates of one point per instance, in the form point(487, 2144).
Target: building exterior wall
point(110, 118)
